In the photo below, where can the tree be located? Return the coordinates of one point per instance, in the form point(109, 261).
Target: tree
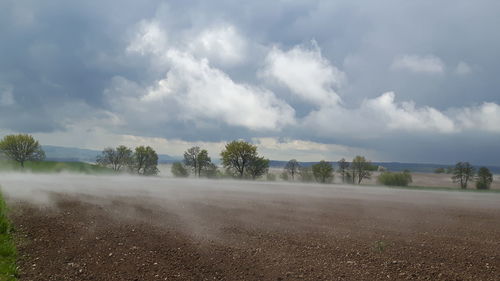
point(323, 171)
point(236, 157)
point(21, 148)
point(462, 173)
point(197, 159)
point(292, 167)
point(178, 170)
point(191, 158)
point(205, 163)
point(306, 174)
point(484, 178)
point(360, 169)
point(343, 168)
point(115, 158)
point(257, 167)
point(145, 161)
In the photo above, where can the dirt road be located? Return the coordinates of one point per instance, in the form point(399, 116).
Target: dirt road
point(103, 228)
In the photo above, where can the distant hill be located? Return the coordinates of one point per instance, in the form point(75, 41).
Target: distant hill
point(73, 154)
point(392, 166)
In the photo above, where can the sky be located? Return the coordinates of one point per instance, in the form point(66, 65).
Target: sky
point(407, 81)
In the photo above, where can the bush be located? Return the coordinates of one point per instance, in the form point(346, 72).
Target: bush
point(178, 170)
point(284, 176)
point(395, 179)
point(440, 171)
point(271, 177)
point(484, 178)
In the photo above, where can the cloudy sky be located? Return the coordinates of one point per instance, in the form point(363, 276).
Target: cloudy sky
point(410, 81)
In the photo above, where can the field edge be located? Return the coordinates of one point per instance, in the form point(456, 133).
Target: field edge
point(8, 252)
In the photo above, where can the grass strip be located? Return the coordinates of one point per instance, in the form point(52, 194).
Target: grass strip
point(8, 253)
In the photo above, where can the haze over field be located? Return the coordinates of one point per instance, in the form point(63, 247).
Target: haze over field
point(311, 80)
point(78, 227)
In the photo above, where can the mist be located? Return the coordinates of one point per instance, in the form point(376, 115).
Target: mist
point(189, 199)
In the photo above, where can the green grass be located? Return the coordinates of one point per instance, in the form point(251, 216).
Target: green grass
point(53, 167)
point(453, 189)
point(8, 253)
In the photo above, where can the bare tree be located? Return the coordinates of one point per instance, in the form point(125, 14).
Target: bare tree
point(462, 173)
point(191, 158)
point(343, 168)
point(292, 167)
point(360, 169)
point(115, 158)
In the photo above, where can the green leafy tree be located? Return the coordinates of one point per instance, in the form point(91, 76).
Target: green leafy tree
point(145, 161)
point(178, 170)
point(462, 173)
point(205, 163)
point(322, 171)
point(484, 178)
point(360, 169)
point(292, 168)
point(115, 158)
point(257, 167)
point(343, 169)
point(198, 160)
point(237, 156)
point(21, 148)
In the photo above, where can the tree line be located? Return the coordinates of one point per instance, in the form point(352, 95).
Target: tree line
point(323, 172)
point(239, 159)
point(143, 160)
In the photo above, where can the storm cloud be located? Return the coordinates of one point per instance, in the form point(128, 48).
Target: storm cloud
point(413, 81)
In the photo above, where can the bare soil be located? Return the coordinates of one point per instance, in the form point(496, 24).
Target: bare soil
point(337, 234)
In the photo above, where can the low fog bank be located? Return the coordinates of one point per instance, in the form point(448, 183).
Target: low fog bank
point(36, 188)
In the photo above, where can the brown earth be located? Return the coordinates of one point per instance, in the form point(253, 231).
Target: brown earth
point(337, 234)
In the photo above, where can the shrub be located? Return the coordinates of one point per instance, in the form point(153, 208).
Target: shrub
point(178, 170)
point(440, 171)
point(484, 178)
point(395, 179)
point(271, 177)
point(284, 176)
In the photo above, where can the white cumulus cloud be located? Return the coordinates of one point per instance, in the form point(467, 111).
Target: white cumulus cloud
point(193, 89)
point(406, 116)
point(305, 72)
point(485, 117)
point(221, 44)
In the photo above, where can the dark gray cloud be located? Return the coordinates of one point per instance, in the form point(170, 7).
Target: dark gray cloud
point(60, 63)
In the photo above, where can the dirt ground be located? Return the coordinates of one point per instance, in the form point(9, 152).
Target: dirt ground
point(256, 231)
